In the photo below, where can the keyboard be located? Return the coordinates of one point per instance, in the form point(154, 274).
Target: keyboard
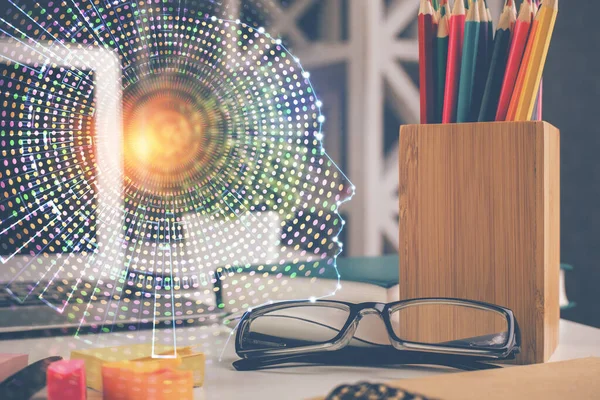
point(33, 309)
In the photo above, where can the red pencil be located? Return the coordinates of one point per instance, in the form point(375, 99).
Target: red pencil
point(455, 47)
point(427, 34)
point(515, 56)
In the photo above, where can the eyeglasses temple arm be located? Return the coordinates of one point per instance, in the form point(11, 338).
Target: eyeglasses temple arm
point(377, 357)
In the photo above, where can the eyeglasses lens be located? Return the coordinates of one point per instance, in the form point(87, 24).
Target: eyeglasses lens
point(294, 327)
point(451, 325)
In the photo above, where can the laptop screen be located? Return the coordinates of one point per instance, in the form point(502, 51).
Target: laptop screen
point(47, 190)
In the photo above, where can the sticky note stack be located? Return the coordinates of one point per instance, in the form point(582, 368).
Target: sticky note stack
point(190, 361)
point(141, 380)
point(94, 359)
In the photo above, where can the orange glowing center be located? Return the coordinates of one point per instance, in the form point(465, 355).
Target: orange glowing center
point(165, 135)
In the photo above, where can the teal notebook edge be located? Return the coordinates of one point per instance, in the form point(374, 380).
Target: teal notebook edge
point(383, 271)
point(380, 271)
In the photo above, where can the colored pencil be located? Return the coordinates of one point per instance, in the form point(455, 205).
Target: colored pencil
point(441, 63)
point(512, 108)
point(514, 99)
point(537, 111)
point(481, 65)
point(535, 7)
point(445, 5)
point(483, 33)
point(436, 5)
point(489, 105)
point(533, 71)
point(455, 51)
point(426, 61)
point(517, 49)
point(490, 32)
point(513, 8)
point(468, 62)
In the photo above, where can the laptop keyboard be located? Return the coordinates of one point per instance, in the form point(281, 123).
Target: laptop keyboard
point(62, 304)
point(32, 293)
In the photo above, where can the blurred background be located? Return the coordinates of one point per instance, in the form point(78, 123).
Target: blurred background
point(362, 57)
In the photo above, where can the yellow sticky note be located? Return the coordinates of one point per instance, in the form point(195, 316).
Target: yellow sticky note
point(140, 380)
point(190, 361)
point(195, 362)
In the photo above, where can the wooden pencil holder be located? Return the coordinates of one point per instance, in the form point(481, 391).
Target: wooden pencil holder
point(480, 220)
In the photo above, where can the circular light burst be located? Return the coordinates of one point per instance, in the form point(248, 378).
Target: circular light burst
point(216, 184)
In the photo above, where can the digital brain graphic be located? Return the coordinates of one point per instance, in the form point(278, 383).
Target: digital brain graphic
point(161, 162)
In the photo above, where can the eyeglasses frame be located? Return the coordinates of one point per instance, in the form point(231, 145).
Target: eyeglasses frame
point(384, 311)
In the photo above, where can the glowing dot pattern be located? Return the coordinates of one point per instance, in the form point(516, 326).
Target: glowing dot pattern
point(222, 169)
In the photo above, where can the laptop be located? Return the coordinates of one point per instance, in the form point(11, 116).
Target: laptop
point(63, 272)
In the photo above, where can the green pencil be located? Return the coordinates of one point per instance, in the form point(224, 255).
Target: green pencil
point(441, 62)
point(467, 67)
point(493, 87)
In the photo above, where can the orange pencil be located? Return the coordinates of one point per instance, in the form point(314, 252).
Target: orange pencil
point(545, 23)
point(427, 34)
point(518, 88)
point(455, 49)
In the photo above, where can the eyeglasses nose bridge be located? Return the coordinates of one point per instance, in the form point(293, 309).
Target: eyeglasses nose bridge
point(349, 333)
point(369, 309)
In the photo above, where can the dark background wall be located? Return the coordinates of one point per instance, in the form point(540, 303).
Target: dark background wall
point(572, 103)
point(571, 100)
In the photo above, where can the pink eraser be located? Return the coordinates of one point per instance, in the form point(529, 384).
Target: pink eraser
point(65, 380)
point(11, 364)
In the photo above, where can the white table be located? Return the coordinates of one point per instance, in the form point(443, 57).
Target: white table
point(223, 382)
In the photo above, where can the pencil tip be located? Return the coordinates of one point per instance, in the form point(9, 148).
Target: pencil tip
point(459, 7)
point(525, 12)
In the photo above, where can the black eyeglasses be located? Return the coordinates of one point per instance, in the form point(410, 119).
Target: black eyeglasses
point(443, 331)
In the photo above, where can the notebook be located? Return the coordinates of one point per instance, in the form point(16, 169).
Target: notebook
point(363, 279)
point(573, 379)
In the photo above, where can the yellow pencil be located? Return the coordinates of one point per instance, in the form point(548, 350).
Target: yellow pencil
point(546, 18)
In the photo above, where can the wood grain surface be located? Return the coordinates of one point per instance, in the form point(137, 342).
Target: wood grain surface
point(480, 219)
point(576, 379)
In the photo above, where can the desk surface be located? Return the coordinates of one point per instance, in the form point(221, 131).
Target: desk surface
point(223, 382)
